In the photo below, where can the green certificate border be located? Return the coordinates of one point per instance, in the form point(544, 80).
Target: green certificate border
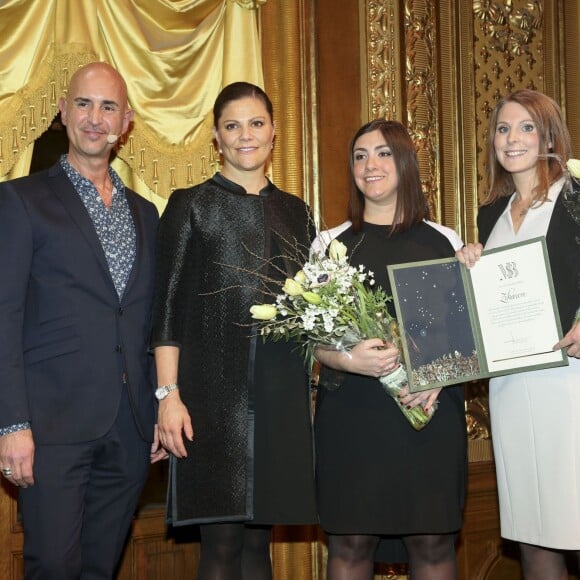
point(466, 368)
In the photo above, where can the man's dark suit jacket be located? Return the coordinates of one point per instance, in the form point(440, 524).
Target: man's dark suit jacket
point(66, 341)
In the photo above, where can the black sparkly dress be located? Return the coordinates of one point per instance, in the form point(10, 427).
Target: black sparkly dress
point(375, 473)
point(251, 459)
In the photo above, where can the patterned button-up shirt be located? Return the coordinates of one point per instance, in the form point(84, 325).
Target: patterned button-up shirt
point(114, 225)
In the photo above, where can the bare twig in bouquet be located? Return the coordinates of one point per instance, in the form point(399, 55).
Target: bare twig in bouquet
point(297, 257)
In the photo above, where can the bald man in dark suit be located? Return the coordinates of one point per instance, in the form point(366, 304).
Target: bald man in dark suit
point(77, 410)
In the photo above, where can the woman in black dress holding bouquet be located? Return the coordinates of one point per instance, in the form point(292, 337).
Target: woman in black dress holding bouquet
point(385, 491)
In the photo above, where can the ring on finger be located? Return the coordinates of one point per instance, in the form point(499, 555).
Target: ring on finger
point(6, 472)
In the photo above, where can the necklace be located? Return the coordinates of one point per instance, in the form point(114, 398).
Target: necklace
point(523, 210)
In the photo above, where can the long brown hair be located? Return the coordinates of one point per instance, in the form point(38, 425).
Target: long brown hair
point(555, 147)
point(411, 205)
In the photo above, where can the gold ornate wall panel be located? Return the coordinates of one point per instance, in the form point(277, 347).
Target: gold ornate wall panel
point(381, 59)
point(400, 44)
point(515, 46)
point(457, 158)
point(458, 58)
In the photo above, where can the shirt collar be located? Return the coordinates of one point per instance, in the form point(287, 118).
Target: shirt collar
point(77, 178)
point(236, 188)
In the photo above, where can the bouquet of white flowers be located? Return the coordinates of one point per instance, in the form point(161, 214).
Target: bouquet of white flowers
point(330, 303)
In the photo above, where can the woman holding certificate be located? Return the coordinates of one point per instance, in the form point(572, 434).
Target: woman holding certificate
point(387, 492)
point(535, 414)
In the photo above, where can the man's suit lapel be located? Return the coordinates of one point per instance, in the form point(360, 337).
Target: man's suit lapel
point(64, 190)
point(140, 241)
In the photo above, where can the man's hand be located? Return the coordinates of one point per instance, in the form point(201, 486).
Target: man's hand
point(173, 422)
point(17, 455)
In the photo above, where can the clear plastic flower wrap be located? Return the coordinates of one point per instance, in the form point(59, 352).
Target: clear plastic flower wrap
point(331, 304)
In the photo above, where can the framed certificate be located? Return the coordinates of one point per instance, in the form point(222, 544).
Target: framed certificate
point(459, 324)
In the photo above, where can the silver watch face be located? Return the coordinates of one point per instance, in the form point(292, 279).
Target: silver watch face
point(161, 393)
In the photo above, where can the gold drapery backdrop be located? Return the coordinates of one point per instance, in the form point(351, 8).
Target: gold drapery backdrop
point(175, 55)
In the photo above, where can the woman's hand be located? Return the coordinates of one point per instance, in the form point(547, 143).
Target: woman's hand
point(158, 452)
point(173, 420)
point(373, 357)
point(426, 398)
point(469, 254)
point(173, 423)
point(571, 341)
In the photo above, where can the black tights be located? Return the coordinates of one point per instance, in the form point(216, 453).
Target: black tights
point(351, 557)
point(235, 552)
point(431, 557)
point(543, 563)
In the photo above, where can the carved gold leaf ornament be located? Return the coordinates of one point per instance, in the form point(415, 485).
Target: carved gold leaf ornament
point(477, 412)
point(421, 96)
point(381, 64)
point(510, 29)
point(508, 38)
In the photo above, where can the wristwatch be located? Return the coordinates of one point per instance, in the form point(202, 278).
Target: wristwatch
point(164, 390)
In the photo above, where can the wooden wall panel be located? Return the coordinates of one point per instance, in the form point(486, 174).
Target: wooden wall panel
point(338, 39)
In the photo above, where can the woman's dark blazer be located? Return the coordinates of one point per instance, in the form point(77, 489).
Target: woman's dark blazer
point(563, 242)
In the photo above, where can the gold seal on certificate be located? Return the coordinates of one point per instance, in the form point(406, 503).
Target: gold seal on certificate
point(457, 324)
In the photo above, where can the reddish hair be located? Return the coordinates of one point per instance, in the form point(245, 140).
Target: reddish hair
point(555, 147)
